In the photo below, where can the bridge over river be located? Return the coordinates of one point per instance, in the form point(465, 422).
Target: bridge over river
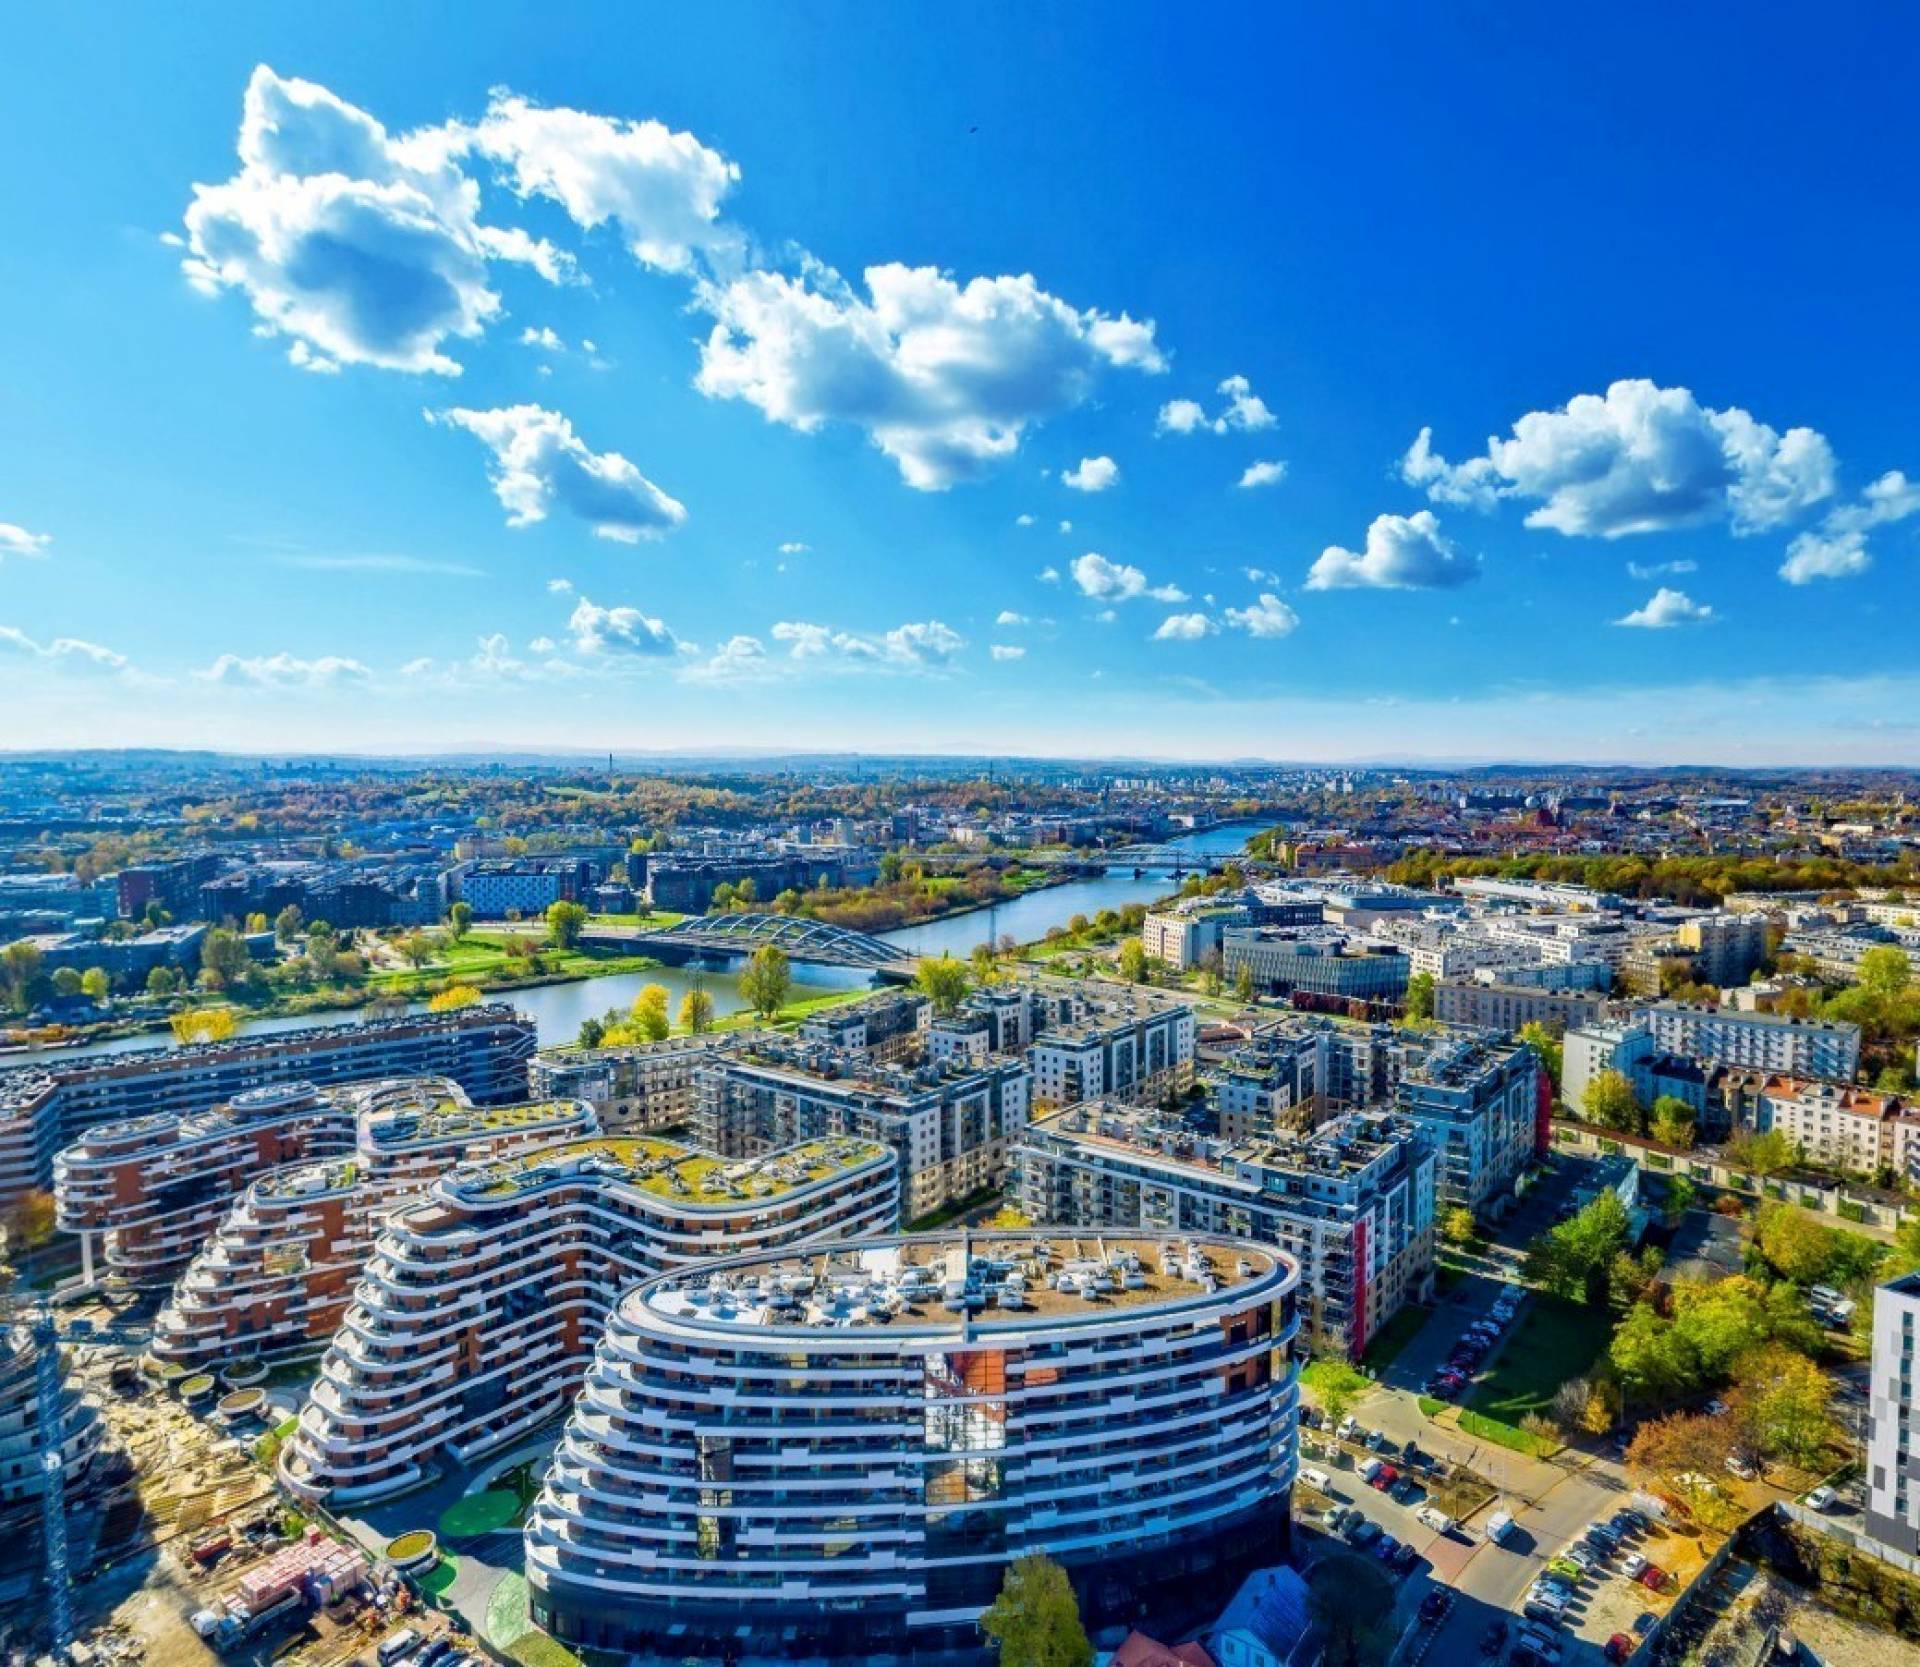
point(736, 933)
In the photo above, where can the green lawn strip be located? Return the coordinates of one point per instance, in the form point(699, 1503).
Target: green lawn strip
point(1510, 1436)
point(1430, 1408)
point(479, 1513)
point(1554, 1341)
point(440, 1578)
point(1394, 1336)
point(509, 1628)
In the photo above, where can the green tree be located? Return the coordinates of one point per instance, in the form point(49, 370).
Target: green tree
point(1420, 996)
point(1671, 1121)
point(1783, 1402)
point(1764, 1154)
point(460, 919)
point(1652, 1362)
point(1547, 1046)
point(66, 981)
point(160, 981)
point(765, 980)
point(1679, 1198)
point(1134, 965)
point(1335, 1387)
point(696, 1011)
point(1243, 982)
point(20, 972)
point(985, 965)
point(943, 981)
point(1211, 972)
point(1883, 970)
point(1573, 1260)
point(223, 956)
point(650, 1012)
point(1457, 1226)
point(1352, 1602)
point(1718, 1320)
point(287, 923)
point(1609, 1102)
point(1035, 1621)
point(417, 947)
point(891, 865)
point(95, 983)
point(592, 1032)
point(565, 921)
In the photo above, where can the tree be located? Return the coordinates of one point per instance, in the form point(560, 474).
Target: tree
point(223, 956)
point(1035, 1621)
point(1457, 1226)
point(460, 920)
point(1133, 961)
point(287, 923)
point(1719, 1320)
point(30, 1221)
point(891, 865)
point(1763, 1154)
point(1782, 1402)
point(1679, 1199)
point(696, 1011)
point(94, 982)
point(1809, 1252)
point(1212, 972)
point(1609, 1101)
point(160, 981)
point(592, 1032)
point(20, 964)
point(985, 964)
point(453, 997)
point(1682, 1454)
point(417, 947)
point(650, 1013)
point(1883, 970)
point(1243, 982)
point(1420, 996)
point(66, 981)
point(203, 1024)
point(942, 981)
point(1545, 1044)
point(1652, 1362)
point(1573, 1259)
point(564, 923)
point(765, 980)
point(1671, 1121)
point(1336, 1386)
point(1352, 1601)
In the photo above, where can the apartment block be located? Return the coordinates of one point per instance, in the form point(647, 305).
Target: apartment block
point(1352, 1201)
point(22, 1470)
point(997, 1019)
point(950, 1123)
point(480, 1308)
point(1479, 1099)
point(484, 1048)
point(1120, 1047)
point(279, 1271)
point(1506, 1007)
point(887, 1027)
point(1776, 1042)
point(151, 1190)
point(833, 1457)
point(648, 1085)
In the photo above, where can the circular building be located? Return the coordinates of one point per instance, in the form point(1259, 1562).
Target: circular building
point(836, 1454)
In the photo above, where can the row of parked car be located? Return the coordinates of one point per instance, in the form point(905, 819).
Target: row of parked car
point(1590, 1555)
point(1364, 1534)
point(1473, 1346)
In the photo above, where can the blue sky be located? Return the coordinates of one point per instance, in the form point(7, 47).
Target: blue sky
point(1077, 357)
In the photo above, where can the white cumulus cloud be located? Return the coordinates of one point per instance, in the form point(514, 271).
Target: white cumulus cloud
point(363, 247)
point(1665, 609)
point(1639, 458)
point(1266, 617)
point(1661, 569)
point(284, 671)
point(944, 378)
point(1114, 581)
point(1009, 617)
point(1095, 474)
point(1268, 472)
point(1184, 628)
point(1836, 548)
point(71, 650)
point(1244, 411)
point(17, 541)
point(598, 630)
point(927, 645)
point(1404, 552)
point(1008, 651)
point(539, 463)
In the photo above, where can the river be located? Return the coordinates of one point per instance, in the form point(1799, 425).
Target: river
point(557, 1009)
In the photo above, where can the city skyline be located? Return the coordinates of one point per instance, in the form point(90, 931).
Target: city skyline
point(1381, 388)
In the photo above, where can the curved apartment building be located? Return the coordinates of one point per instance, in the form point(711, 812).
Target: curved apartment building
point(479, 1312)
point(82, 1429)
point(155, 1188)
point(836, 1455)
point(278, 1272)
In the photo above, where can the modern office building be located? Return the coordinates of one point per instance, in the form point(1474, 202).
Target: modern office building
point(1120, 1047)
point(279, 1271)
point(1319, 961)
point(648, 1085)
point(1352, 1201)
point(1484, 1104)
point(1893, 1418)
point(835, 1456)
point(152, 1189)
point(484, 1048)
point(950, 1122)
point(1792, 1047)
point(474, 1321)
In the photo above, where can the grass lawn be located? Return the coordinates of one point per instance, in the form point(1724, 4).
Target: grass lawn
point(1430, 1408)
point(1555, 1340)
point(1395, 1335)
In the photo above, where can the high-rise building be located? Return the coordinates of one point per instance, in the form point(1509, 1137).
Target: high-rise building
point(1893, 1418)
point(1479, 1098)
point(473, 1323)
point(835, 1456)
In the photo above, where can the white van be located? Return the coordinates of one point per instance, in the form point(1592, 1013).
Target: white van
point(1435, 1519)
point(1315, 1478)
point(398, 1644)
point(1500, 1527)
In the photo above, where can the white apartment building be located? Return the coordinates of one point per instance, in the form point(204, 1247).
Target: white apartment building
point(1792, 1047)
point(1121, 1048)
point(1893, 1418)
point(648, 1085)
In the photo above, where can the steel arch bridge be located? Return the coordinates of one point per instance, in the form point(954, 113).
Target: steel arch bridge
point(802, 940)
point(1161, 856)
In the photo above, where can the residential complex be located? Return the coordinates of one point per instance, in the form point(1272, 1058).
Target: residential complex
point(154, 1188)
point(950, 1123)
point(887, 1027)
point(1352, 1202)
point(276, 1276)
point(648, 1085)
point(1132, 1047)
point(22, 1451)
point(1485, 1105)
point(475, 1318)
point(1507, 1007)
point(1768, 1041)
point(836, 1456)
point(1893, 1418)
point(484, 1048)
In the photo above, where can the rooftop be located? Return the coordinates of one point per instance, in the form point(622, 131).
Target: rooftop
point(964, 1279)
point(666, 1169)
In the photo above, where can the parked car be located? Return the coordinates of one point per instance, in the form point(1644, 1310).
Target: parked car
point(1566, 1570)
point(1535, 1637)
point(1310, 1416)
point(1349, 1425)
point(1627, 1521)
point(1377, 1440)
point(1653, 1578)
point(1384, 1478)
point(1738, 1466)
point(1618, 1647)
point(1494, 1639)
point(1405, 1559)
point(1500, 1526)
point(1386, 1547)
point(1435, 1604)
point(1405, 1489)
point(1821, 1498)
point(1362, 1533)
